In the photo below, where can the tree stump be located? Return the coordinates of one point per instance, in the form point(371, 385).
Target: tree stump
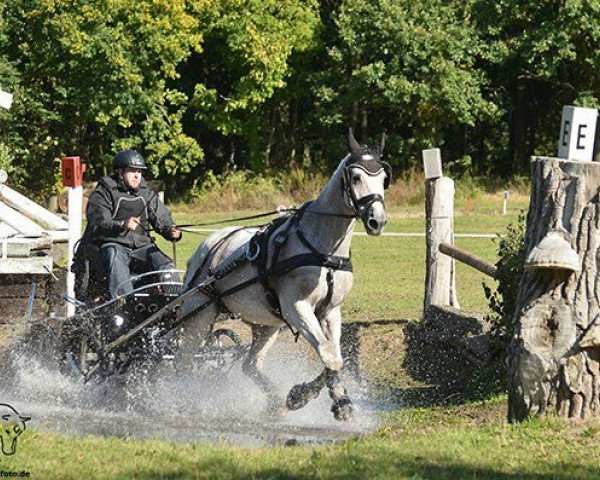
point(554, 355)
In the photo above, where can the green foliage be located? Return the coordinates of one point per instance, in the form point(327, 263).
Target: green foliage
point(511, 258)
point(413, 57)
point(540, 56)
point(97, 76)
point(246, 63)
point(6, 159)
point(272, 85)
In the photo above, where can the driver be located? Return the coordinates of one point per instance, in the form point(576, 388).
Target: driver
point(121, 213)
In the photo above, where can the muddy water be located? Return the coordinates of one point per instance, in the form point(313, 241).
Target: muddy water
point(190, 403)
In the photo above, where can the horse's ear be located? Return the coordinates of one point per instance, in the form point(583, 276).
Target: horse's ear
point(355, 148)
point(382, 144)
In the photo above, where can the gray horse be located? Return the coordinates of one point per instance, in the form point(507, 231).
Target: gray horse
point(297, 273)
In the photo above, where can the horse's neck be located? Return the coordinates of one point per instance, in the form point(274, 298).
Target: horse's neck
point(329, 234)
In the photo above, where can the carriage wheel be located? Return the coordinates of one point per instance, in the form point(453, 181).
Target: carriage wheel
point(83, 352)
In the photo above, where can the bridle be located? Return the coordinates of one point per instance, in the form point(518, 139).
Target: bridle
point(369, 163)
point(371, 166)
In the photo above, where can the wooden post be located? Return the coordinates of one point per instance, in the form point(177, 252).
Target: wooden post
point(72, 175)
point(554, 356)
point(470, 259)
point(440, 281)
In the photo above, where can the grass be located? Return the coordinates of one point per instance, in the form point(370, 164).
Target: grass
point(471, 441)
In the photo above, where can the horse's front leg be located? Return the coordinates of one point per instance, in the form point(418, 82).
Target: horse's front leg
point(327, 344)
point(342, 407)
point(301, 315)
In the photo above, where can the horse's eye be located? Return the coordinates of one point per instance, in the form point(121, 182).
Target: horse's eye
point(356, 179)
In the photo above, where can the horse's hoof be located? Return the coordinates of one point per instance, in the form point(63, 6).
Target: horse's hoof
point(299, 396)
point(343, 410)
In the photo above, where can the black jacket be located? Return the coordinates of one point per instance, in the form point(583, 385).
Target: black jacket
point(112, 203)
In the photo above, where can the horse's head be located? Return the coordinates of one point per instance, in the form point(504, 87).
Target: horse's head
point(366, 176)
point(11, 426)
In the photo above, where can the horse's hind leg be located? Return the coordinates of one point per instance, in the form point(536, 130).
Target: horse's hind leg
point(263, 337)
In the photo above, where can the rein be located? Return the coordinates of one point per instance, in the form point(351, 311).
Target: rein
point(280, 210)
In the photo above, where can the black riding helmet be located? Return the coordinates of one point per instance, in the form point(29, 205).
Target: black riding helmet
point(129, 158)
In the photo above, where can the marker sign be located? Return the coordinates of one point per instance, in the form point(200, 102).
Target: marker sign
point(577, 133)
point(432, 163)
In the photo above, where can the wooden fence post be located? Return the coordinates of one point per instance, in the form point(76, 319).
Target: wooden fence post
point(440, 277)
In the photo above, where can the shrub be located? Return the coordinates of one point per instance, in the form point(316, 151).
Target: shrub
point(245, 190)
point(407, 189)
point(502, 300)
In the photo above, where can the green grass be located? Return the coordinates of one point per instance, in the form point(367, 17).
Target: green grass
point(451, 443)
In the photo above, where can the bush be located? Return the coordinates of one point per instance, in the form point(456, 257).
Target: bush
point(502, 301)
point(6, 158)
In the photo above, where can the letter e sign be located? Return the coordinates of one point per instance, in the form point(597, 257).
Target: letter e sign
point(577, 133)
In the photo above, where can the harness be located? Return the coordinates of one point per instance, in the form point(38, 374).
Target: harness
point(258, 254)
point(315, 258)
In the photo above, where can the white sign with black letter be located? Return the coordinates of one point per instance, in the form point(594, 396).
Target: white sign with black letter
point(577, 132)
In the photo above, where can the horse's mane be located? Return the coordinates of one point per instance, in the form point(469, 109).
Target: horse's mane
point(337, 174)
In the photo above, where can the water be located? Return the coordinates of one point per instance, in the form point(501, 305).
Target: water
point(187, 403)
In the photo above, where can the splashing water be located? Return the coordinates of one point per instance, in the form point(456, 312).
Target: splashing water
point(182, 402)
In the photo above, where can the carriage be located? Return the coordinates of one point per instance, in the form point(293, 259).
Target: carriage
point(107, 336)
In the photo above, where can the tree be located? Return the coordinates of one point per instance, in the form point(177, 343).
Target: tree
point(95, 78)
point(406, 67)
point(554, 353)
point(245, 64)
point(539, 56)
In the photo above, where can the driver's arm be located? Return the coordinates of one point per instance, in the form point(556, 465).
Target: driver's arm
point(161, 220)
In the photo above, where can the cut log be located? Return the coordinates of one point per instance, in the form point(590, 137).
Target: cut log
point(19, 222)
point(554, 356)
point(28, 207)
point(470, 259)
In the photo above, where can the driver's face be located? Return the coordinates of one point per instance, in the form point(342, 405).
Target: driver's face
point(132, 177)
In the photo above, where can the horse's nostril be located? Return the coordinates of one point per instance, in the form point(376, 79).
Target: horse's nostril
point(373, 224)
